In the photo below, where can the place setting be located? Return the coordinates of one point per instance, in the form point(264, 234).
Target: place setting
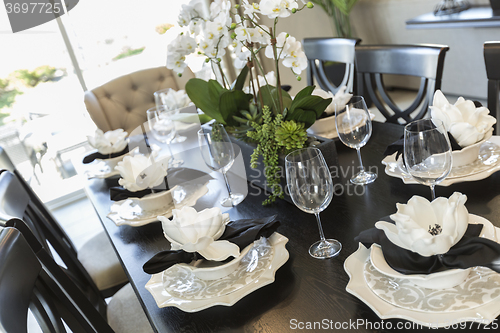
point(432, 262)
point(468, 130)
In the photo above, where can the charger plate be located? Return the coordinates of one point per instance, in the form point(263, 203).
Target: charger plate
point(355, 266)
point(487, 164)
point(131, 211)
point(179, 287)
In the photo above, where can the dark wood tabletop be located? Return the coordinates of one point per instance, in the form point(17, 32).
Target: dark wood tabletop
point(305, 289)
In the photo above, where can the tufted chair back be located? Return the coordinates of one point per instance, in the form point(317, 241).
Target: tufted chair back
point(123, 102)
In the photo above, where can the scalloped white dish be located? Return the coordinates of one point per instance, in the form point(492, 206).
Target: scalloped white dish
point(106, 168)
point(483, 313)
point(487, 164)
point(178, 288)
point(440, 280)
point(137, 212)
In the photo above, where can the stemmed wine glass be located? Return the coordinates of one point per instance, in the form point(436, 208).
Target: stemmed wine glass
point(218, 153)
point(160, 99)
point(427, 152)
point(311, 189)
point(354, 128)
point(161, 124)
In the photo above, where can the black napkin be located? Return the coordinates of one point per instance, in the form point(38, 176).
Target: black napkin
point(92, 157)
point(176, 176)
point(470, 251)
point(240, 232)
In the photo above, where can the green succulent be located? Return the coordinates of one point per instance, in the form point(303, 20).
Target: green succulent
point(291, 135)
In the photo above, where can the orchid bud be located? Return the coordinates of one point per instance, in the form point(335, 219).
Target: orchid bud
point(294, 10)
point(207, 60)
point(309, 4)
point(233, 25)
point(299, 78)
point(233, 35)
point(236, 6)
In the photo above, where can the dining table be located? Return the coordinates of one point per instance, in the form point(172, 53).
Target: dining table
point(307, 294)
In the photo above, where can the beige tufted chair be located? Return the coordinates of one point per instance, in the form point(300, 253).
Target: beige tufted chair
point(123, 102)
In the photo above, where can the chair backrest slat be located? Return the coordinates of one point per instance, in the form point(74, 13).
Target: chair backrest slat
point(423, 61)
point(336, 50)
point(492, 63)
point(30, 278)
point(47, 231)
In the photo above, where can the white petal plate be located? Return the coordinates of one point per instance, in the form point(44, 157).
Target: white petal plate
point(106, 168)
point(484, 167)
point(132, 211)
point(180, 288)
point(355, 267)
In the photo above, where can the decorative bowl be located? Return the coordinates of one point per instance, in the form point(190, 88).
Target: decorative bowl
point(213, 270)
point(323, 125)
point(440, 280)
point(470, 153)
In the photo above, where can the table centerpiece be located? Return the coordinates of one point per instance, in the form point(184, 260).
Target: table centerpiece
point(262, 114)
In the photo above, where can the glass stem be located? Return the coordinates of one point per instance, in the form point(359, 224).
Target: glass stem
point(361, 168)
point(433, 192)
point(321, 234)
point(228, 187)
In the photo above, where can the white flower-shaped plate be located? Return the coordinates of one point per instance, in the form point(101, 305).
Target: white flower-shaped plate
point(487, 164)
point(178, 287)
point(137, 212)
point(106, 168)
point(354, 266)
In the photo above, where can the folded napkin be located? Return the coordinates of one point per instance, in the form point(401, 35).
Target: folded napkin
point(470, 251)
point(175, 176)
point(94, 156)
point(340, 99)
point(241, 232)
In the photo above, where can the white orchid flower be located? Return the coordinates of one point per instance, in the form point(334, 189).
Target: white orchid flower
point(194, 231)
point(251, 9)
point(428, 228)
point(109, 142)
point(277, 8)
point(341, 98)
point(140, 172)
point(466, 123)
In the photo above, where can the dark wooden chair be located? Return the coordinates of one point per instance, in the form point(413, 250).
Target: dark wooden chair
point(17, 200)
point(321, 53)
point(492, 62)
point(423, 61)
point(31, 279)
point(27, 284)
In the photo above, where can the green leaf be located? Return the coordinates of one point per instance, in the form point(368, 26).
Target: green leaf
point(215, 89)
point(307, 91)
point(204, 118)
point(240, 81)
point(313, 103)
point(308, 117)
point(199, 93)
point(231, 102)
point(270, 98)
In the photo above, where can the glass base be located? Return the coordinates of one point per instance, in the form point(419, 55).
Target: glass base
point(233, 200)
point(325, 249)
point(363, 178)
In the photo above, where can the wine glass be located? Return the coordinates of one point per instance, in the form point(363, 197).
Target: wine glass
point(218, 153)
point(427, 152)
point(354, 128)
point(311, 189)
point(161, 99)
point(162, 125)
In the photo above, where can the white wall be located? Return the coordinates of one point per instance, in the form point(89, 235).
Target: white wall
point(383, 22)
